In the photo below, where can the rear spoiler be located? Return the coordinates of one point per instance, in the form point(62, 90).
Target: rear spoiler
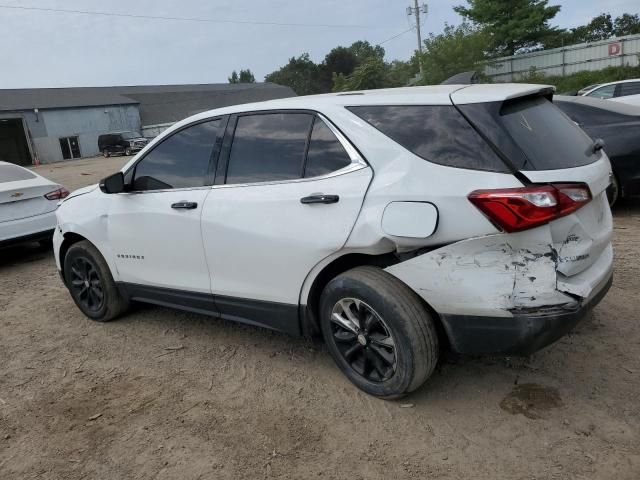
point(499, 92)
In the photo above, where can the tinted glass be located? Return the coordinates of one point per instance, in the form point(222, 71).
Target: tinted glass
point(13, 173)
point(548, 138)
point(180, 161)
point(268, 147)
point(630, 88)
point(436, 133)
point(603, 92)
point(326, 154)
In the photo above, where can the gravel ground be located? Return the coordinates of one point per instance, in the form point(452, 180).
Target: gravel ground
point(166, 394)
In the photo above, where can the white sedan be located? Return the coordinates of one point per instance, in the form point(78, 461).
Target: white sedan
point(28, 204)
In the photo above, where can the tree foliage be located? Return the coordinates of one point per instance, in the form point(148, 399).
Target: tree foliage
point(511, 25)
point(245, 76)
point(301, 74)
point(458, 49)
point(601, 27)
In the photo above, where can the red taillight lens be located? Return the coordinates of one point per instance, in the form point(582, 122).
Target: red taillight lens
point(516, 209)
point(58, 194)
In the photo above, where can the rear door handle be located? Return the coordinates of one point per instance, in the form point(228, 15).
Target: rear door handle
point(320, 198)
point(184, 205)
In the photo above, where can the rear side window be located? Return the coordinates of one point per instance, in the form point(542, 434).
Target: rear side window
point(13, 173)
point(629, 88)
point(179, 161)
point(326, 154)
point(437, 133)
point(268, 147)
point(532, 133)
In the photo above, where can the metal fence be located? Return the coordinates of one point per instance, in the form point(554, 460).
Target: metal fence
point(567, 60)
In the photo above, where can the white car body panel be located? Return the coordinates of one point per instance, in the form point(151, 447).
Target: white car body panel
point(249, 230)
point(155, 244)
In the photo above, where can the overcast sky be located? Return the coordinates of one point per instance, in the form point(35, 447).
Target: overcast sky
point(52, 49)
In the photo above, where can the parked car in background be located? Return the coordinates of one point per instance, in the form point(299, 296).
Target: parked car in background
point(27, 205)
point(394, 222)
point(610, 90)
point(123, 143)
point(584, 90)
point(619, 126)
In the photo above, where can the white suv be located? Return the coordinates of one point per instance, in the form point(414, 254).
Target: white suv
point(395, 222)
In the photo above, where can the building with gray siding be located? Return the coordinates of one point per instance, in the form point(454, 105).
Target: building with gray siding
point(52, 124)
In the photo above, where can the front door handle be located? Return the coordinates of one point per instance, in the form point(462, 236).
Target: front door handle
point(320, 198)
point(184, 205)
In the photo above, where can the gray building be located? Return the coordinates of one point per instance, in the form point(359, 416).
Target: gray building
point(46, 125)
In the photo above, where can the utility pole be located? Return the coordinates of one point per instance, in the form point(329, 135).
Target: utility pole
point(416, 10)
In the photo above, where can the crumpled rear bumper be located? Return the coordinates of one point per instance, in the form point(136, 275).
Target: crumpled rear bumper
point(522, 334)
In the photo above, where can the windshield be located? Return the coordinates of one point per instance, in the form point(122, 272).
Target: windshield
point(128, 135)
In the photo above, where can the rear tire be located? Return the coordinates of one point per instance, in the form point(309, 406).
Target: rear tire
point(127, 151)
point(106, 153)
point(391, 348)
point(90, 283)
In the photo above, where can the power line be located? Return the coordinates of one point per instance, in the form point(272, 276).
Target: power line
point(186, 19)
point(396, 36)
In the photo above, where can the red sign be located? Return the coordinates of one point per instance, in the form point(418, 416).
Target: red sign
point(615, 49)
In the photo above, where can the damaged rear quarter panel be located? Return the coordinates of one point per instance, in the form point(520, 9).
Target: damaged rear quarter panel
point(492, 275)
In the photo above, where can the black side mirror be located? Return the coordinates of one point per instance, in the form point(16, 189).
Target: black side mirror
point(113, 183)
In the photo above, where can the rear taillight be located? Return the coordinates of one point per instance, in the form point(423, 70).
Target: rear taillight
point(516, 209)
point(58, 194)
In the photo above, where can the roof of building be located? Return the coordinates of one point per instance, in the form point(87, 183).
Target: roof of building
point(158, 103)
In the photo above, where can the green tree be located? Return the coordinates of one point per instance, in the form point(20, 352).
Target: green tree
point(245, 76)
point(340, 60)
point(626, 24)
point(458, 49)
point(511, 25)
point(300, 73)
point(372, 73)
point(363, 50)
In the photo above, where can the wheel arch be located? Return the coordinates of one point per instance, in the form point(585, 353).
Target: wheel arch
point(310, 303)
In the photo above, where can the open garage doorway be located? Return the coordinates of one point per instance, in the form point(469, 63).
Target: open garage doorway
point(13, 142)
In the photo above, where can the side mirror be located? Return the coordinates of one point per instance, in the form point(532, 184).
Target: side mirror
point(113, 183)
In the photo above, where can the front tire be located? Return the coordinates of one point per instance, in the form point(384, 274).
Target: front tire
point(90, 283)
point(378, 332)
point(106, 153)
point(127, 151)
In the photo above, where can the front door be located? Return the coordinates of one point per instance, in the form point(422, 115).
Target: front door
point(155, 227)
point(293, 191)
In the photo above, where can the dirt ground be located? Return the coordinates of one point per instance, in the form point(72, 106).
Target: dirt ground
point(165, 394)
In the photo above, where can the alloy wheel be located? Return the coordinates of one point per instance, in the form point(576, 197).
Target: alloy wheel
point(86, 284)
point(363, 339)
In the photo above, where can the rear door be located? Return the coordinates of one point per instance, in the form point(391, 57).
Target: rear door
point(545, 146)
point(286, 196)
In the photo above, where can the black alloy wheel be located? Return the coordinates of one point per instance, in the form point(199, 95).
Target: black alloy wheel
point(363, 339)
point(86, 284)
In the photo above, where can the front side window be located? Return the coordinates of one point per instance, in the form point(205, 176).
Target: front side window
point(268, 147)
point(603, 92)
point(326, 154)
point(180, 161)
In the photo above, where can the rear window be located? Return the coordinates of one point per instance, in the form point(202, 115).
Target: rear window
point(533, 133)
point(437, 133)
point(13, 173)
